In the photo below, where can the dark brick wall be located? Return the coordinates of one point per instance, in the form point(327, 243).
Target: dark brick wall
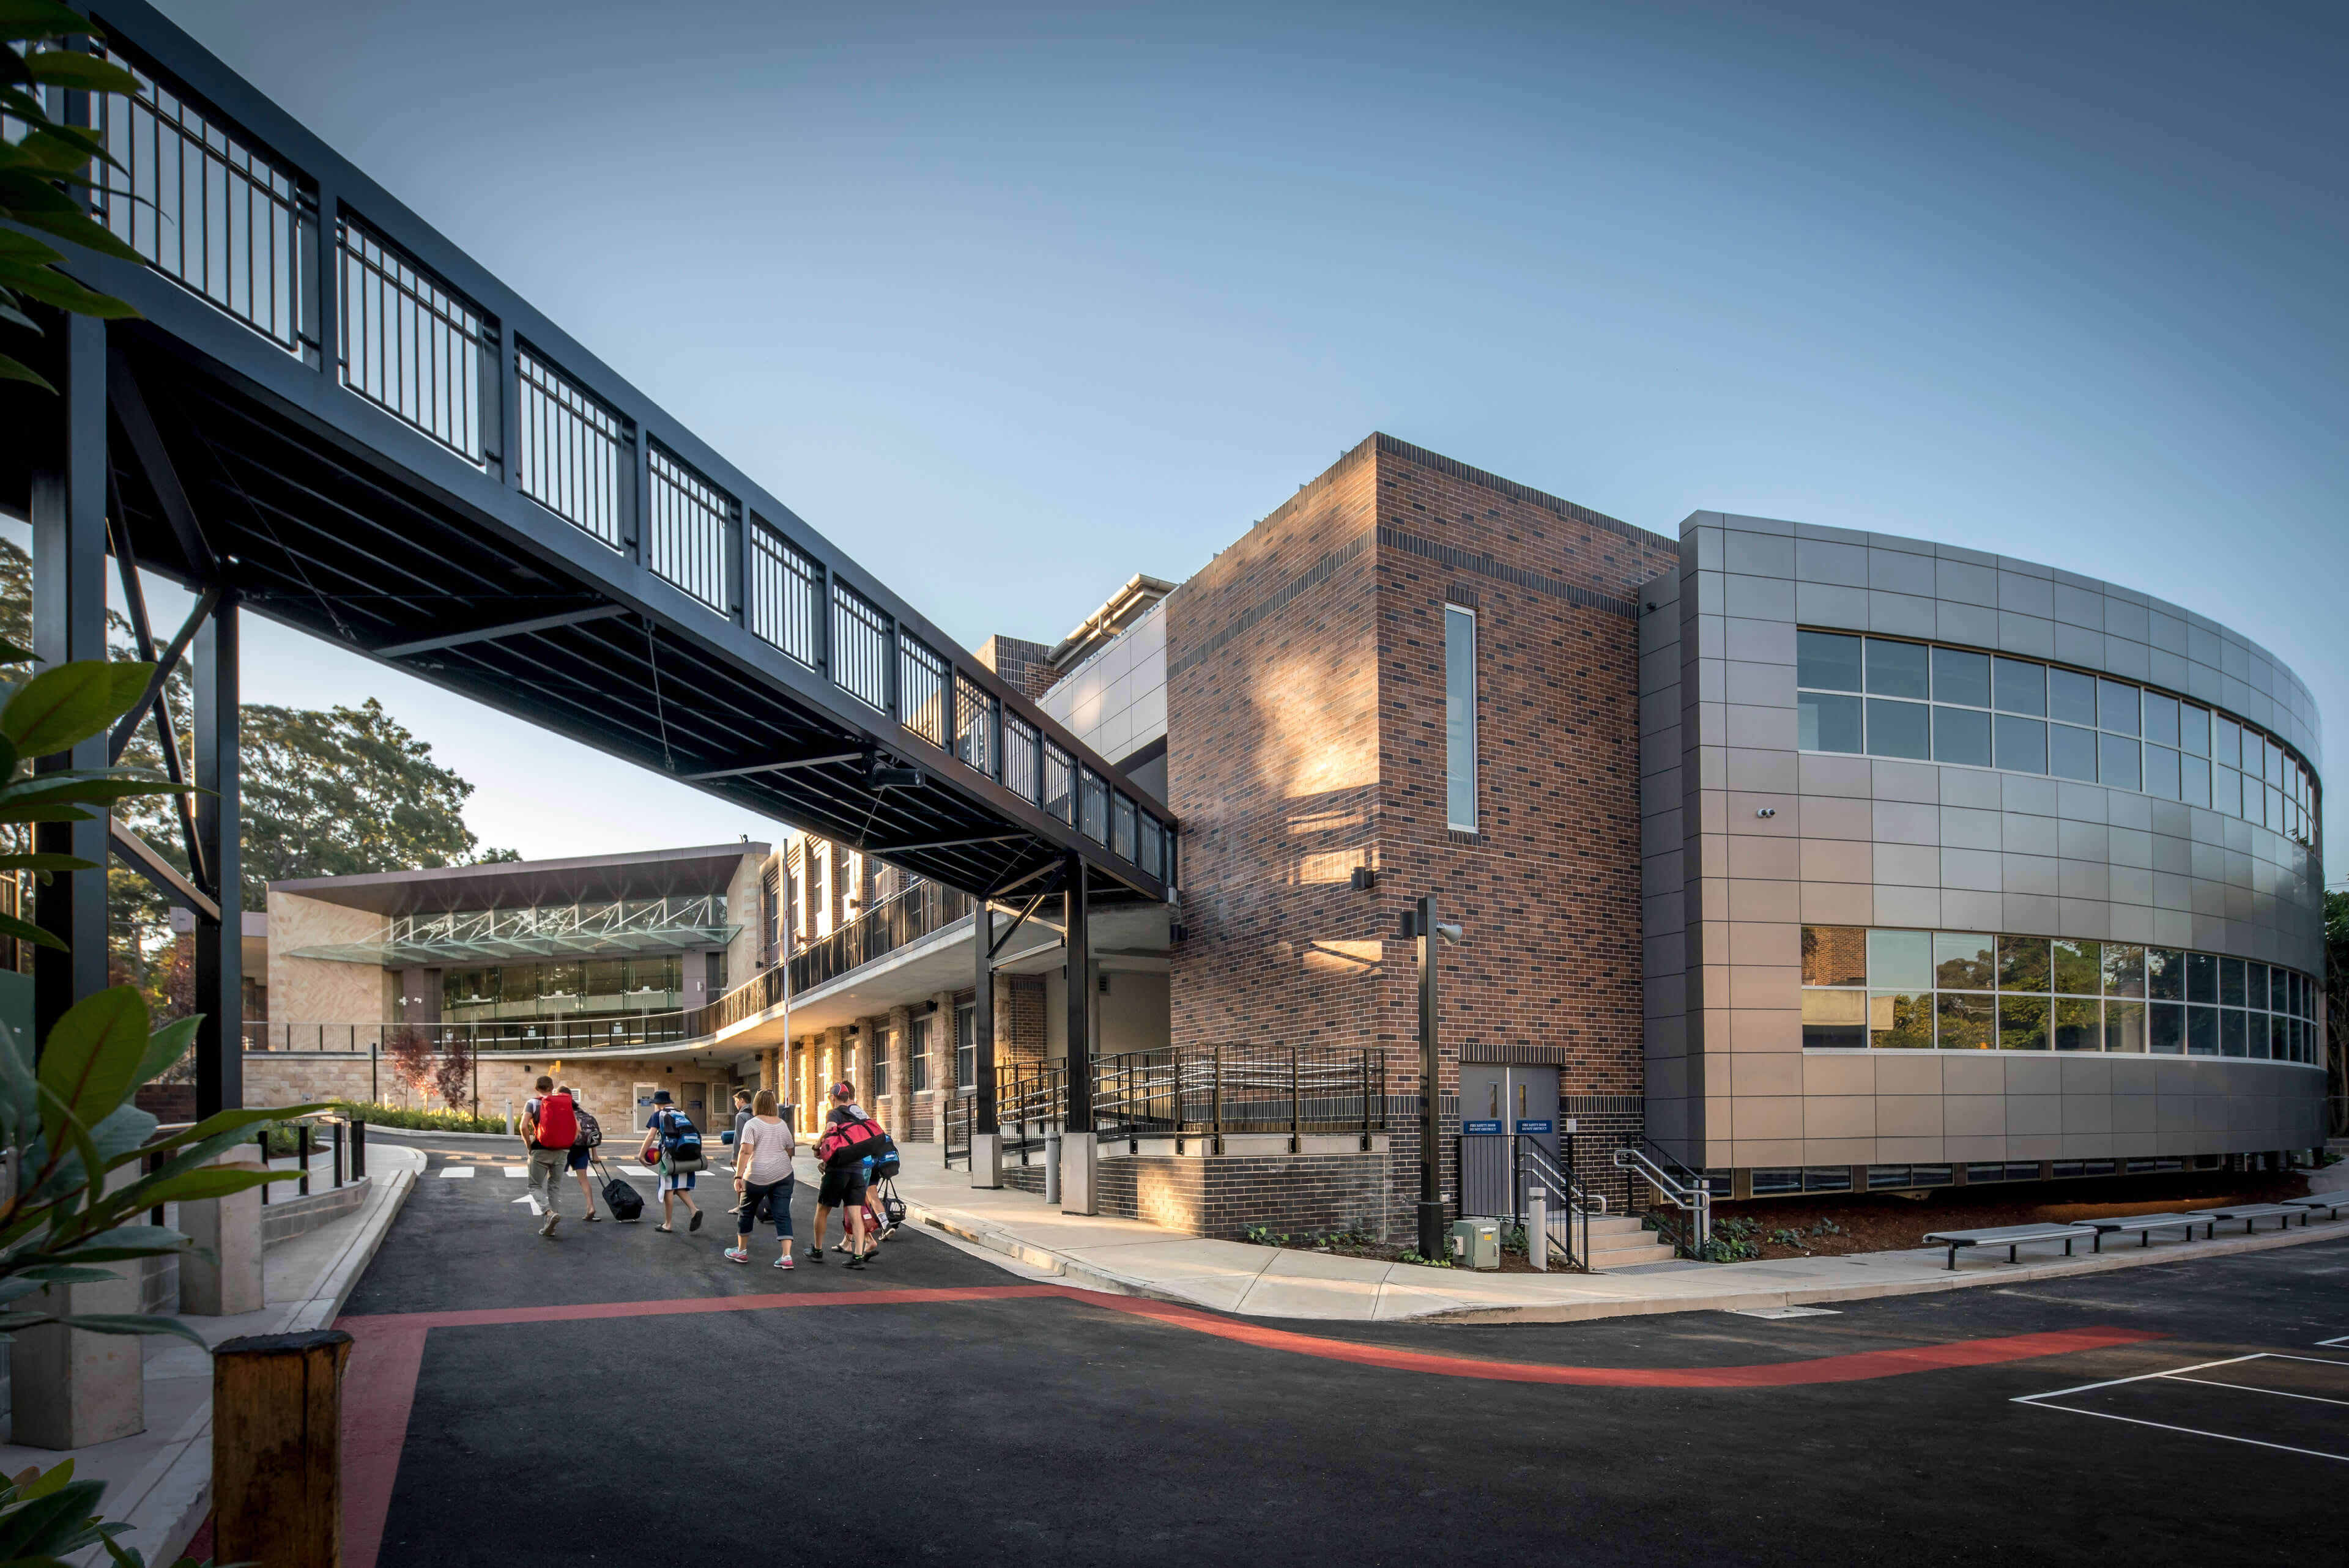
point(1306, 738)
point(1214, 1195)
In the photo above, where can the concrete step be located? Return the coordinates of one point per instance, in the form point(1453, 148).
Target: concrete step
point(1625, 1254)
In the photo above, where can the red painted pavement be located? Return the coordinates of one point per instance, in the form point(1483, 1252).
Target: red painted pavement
point(387, 1355)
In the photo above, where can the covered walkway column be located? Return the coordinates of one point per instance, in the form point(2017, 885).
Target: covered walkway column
point(985, 1133)
point(1078, 1151)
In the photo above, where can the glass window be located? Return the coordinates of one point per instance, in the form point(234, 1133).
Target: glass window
point(2255, 1035)
point(2022, 1023)
point(2022, 687)
point(1897, 669)
point(2231, 982)
point(2116, 760)
point(2230, 1033)
point(2023, 963)
point(2201, 1031)
point(2078, 967)
point(2226, 791)
point(966, 1049)
point(1121, 827)
point(2021, 744)
point(2275, 809)
point(2123, 969)
point(2079, 1024)
point(2165, 974)
point(2201, 977)
point(1154, 839)
point(1962, 735)
point(1459, 717)
point(1826, 661)
point(2160, 718)
point(2125, 1027)
point(917, 1062)
point(1900, 1020)
point(2117, 706)
point(1960, 677)
point(1827, 723)
point(1967, 1023)
point(1964, 962)
point(1834, 1020)
point(2072, 697)
point(2194, 729)
point(1835, 955)
point(1898, 729)
point(2072, 753)
point(2161, 772)
point(1900, 960)
point(2279, 1039)
point(2226, 742)
point(2165, 1028)
point(2274, 774)
point(2194, 780)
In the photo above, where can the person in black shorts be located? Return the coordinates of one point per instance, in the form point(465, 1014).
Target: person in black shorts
point(843, 1182)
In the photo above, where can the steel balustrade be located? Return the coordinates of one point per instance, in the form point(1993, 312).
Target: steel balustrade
point(493, 510)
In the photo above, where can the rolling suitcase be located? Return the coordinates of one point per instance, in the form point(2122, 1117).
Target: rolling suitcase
point(621, 1196)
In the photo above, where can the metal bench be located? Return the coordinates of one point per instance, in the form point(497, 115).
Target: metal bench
point(2331, 1203)
point(2010, 1237)
point(2143, 1225)
point(2284, 1214)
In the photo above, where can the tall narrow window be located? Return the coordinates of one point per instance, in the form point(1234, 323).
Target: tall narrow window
point(1459, 717)
point(966, 1049)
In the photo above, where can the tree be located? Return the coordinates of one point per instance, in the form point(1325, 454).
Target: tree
point(454, 1077)
point(411, 1054)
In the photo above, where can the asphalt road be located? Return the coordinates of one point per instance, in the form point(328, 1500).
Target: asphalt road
point(1043, 1429)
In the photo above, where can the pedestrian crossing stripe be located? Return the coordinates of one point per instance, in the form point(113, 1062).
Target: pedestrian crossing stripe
point(449, 1172)
point(515, 1170)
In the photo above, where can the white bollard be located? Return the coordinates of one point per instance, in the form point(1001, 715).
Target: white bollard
point(1053, 1168)
point(1537, 1228)
point(510, 1117)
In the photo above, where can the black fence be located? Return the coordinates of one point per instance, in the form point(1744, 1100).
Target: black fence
point(1212, 1092)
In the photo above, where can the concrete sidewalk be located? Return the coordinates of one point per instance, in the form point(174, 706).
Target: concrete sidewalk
point(160, 1481)
point(1131, 1257)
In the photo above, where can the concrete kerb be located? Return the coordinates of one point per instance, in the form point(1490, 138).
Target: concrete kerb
point(1636, 1299)
point(169, 1496)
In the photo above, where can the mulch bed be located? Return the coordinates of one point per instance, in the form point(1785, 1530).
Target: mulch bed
point(1892, 1222)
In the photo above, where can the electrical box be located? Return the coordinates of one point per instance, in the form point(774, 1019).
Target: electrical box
point(1476, 1243)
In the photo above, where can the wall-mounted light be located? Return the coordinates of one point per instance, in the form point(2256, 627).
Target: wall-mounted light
point(1365, 879)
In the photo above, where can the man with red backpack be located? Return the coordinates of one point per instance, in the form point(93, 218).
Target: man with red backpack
point(850, 1139)
point(550, 1126)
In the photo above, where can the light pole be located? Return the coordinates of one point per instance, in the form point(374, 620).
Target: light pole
point(1421, 924)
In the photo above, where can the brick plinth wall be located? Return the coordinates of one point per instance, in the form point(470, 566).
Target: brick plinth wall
point(1222, 1195)
point(1305, 729)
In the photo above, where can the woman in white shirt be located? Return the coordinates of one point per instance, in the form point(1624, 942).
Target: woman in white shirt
point(763, 1174)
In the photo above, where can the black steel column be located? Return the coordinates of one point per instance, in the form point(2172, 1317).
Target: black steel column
point(1431, 1118)
point(219, 948)
point(1081, 1000)
point(69, 513)
point(982, 1019)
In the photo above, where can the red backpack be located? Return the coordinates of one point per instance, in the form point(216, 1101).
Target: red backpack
point(558, 1127)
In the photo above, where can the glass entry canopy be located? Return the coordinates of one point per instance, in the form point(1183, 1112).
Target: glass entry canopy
point(1884, 696)
point(1949, 990)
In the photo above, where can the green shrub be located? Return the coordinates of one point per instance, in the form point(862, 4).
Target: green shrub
point(420, 1120)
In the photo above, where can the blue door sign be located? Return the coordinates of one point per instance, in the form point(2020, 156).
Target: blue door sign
point(1527, 1125)
point(1477, 1129)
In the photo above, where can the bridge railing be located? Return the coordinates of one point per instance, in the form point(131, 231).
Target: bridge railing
point(321, 263)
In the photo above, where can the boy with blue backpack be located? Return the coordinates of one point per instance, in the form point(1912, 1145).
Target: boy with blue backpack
point(673, 1145)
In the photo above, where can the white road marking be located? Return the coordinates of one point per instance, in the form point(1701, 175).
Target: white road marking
point(531, 1199)
point(455, 1172)
point(515, 1172)
point(2343, 1340)
point(2177, 1375)
point(1774, 1313)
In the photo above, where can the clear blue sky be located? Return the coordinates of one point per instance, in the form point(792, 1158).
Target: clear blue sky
point(1015, 302)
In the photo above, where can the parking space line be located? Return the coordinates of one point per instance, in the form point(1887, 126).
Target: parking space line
point(2190, 1431)
point(2247, 1389)
point(2116, 1382)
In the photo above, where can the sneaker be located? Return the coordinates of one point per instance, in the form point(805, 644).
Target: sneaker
point(815, 1254)
point(694, 1223)
point(856, 1263)
point(548, 1229)
point(736, 1255)
point(783, 1263)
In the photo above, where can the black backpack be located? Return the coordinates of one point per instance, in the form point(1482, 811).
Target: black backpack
point(590, 1134)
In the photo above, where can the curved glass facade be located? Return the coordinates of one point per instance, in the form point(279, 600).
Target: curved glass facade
point(1887, 697)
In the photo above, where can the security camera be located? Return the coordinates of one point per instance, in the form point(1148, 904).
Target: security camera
point(1449, 931)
